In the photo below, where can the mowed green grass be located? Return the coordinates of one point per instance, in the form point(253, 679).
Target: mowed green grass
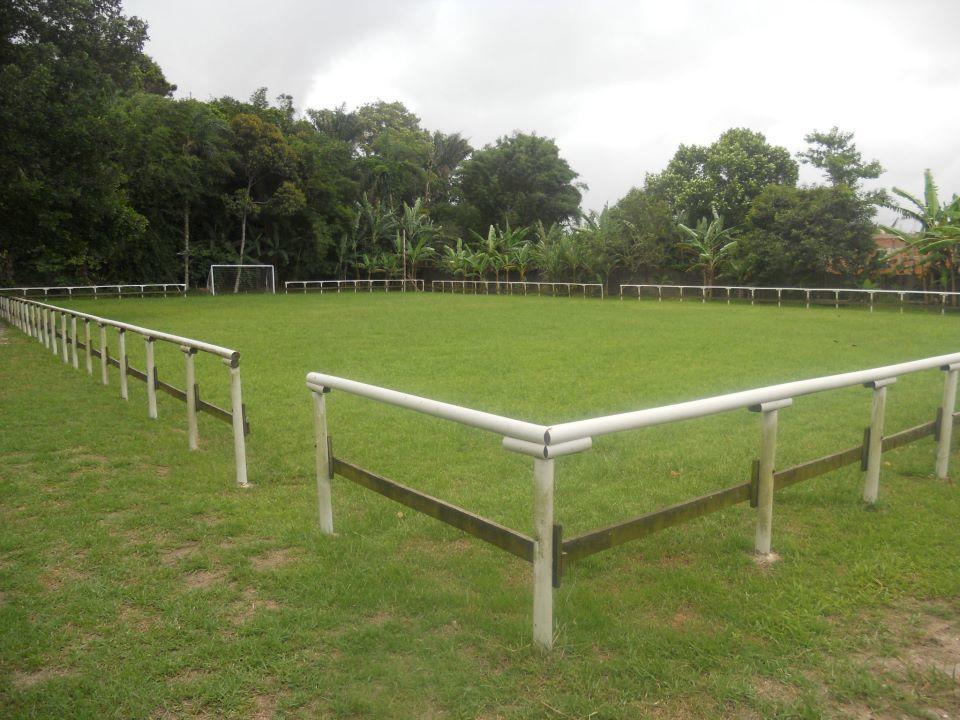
point(137, 581)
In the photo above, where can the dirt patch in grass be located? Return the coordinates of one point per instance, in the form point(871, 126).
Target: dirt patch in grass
point(272, 559)
point(776, 691)
point(186, 709)
point(264, 707)
point(204, 579)
point(55, 577)
point(25, 681)
point(248, 605)
point(135, 618)
point(188, 676)
point(175, 555)
point(924, 668)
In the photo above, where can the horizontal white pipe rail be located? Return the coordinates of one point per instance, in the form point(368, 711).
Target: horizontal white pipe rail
point(545, 443)
point(788, 294)
point(521, 287)
point(139, 290)
point(320, 382)
point(354, 285)
point(692, 409)
point(39, 320)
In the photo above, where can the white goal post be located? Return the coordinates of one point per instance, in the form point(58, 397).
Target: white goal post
point(227, 279)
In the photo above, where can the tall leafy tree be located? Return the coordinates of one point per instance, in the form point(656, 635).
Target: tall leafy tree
point(519, 180)
point(729, 173)
point(63, 63)
point(807, 236)
point(835, 153)
point(263, 161)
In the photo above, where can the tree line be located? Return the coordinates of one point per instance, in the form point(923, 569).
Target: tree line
point(105, 176)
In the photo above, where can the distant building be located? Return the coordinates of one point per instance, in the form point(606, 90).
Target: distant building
point(899, 260)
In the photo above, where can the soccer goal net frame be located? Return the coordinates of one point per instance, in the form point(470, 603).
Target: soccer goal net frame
point(224, 288)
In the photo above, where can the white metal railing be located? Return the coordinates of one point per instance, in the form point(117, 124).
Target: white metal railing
point(39, 320)
point(834, 296)
point(97, 291)
point(322, 286)
point(505, 287)
point(544, 443)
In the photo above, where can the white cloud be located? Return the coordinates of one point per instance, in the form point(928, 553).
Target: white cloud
point(619, 83)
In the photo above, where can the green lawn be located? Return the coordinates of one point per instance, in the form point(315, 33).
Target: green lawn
point(137, 581)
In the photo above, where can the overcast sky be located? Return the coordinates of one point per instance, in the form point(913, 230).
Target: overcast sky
point(618, 84)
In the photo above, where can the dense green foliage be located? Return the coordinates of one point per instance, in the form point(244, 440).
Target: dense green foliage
point(806, 236)
point(137, 581)
point(105, 177)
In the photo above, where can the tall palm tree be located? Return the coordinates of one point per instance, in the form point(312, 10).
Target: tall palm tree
point(446, 153)
point(711, 245)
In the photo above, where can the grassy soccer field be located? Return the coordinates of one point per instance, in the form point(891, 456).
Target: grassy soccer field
point(137, 581)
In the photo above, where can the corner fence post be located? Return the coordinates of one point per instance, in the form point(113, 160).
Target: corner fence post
point(87, 354)
point(74, 351)
point(239, 421)
point(543, 553)
point(122, 352)
point(946, 419)
point(871, 483)
point(323, 462)
point(191, 390)
point(768, 454)
point(151, 379)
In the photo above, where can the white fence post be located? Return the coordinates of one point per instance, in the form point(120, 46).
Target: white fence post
point(543, 553)
point(871, 483)
point(64, 350)
point(74, 351)
point(239, 422)
point(768, 454)
point(104, 352)
point(324, 490)
point(122, 352)
point(151, 372)
point(88, 355)
point(191, 390)
point(946, 419)
point(52, 324)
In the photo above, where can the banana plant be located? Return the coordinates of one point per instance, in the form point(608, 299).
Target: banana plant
point(711, 245)
point(938, 240)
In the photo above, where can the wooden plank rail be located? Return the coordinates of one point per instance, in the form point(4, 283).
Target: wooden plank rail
point(604, 538)
point(502, 537)
point(202, 405)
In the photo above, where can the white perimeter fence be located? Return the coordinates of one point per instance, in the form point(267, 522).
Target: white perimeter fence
point(487, 287)
point(547, 550)
point(322, 286)
point(780, 295)
point(39, 320)
point(98, 291)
